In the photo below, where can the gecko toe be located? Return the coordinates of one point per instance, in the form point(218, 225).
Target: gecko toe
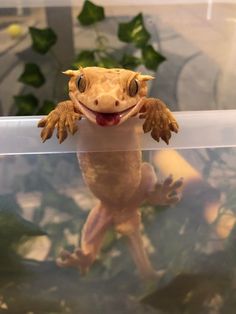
point(46, 133)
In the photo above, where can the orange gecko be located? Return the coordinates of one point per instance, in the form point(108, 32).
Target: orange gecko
point(120, 180)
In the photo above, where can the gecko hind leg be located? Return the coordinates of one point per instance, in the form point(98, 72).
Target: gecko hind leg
point(98, 222)
point(129, 226)
point(165, 193)
point(154, 192)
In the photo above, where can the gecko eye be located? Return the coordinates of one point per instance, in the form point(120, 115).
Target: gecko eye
point(81, 83)
point(133, 87)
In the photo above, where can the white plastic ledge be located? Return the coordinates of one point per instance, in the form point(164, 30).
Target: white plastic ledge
point(198, 129)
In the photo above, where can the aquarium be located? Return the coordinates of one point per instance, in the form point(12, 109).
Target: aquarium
point(45, 202)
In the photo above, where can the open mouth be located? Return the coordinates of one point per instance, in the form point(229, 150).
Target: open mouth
point(107, 119)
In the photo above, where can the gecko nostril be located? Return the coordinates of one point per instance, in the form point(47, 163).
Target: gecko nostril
point(96, 102)
point(117, 103)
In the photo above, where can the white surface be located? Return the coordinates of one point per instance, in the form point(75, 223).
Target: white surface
point(199, 129)
point(54, 3)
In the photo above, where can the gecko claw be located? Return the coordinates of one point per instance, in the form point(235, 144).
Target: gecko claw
point(166, 193)
point(42, 123)
point(77, 259)
point(174, 127)
point(158, 119)
point(62, 135)
point(165, 139)
point(62, 118)
point(46, 134)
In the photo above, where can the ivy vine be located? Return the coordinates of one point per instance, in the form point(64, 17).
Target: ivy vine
point(133, 33)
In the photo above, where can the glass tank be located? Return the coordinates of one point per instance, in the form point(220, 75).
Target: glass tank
point(46, 196)
point(171, 250)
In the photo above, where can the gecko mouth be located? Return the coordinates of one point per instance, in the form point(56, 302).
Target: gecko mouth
point(108, 119)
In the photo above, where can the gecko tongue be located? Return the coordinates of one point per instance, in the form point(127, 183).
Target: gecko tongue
point(107, 119)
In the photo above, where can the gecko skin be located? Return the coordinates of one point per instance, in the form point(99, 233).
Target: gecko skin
point(120, 180)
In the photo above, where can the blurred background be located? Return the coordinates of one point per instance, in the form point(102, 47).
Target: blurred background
point(190, 48)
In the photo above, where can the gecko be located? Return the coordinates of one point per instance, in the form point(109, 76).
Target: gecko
point(120, 181)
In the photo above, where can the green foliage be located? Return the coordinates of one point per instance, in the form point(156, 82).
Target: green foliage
point(48, 105)
point(13, 227)
point(26, 104)
point(42, 39)
point(134, 32)
point(91, 13)
point(85, 58)
point(151, 58)
point(32, 75)
point(189, 293)
point(14, 230)
point(130, 61)
point(108, 62)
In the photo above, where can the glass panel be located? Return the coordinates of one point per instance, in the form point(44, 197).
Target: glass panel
point(44, 205)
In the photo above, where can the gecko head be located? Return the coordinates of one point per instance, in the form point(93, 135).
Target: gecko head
point(107, 97)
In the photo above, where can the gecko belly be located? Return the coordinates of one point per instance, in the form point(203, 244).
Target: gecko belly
point(113, 177)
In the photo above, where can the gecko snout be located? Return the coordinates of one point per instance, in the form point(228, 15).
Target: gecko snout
point(106, 103)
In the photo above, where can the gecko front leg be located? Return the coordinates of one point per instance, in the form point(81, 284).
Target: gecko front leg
point(158, 119)
point(63, 117)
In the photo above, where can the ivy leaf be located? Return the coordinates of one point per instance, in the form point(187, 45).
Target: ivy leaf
point(91, 13)
point(32, 75)
point(108, 62)
point(151, 58)
point(85, 58)
point(13, 227)
point(108, 240)
point(130, 62)
point(134, 31)
point(42, 39)
point(47, 106)
point(26, 104)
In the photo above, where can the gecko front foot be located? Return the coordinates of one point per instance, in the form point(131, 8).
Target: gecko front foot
point(77, 259)
point(158, 120)
point(166, 193)
point(63, 117)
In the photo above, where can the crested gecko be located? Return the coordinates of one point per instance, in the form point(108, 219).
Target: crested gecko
point(120, 180)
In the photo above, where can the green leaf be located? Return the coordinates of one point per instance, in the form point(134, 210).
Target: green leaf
point(151, 58)
point(108, 62)
point(91, 13)
point(42, 39)
point(32, 75)
point(13, 227)
point(26, 104)
point(108, 240)
point(48, 105)
point(85, 58)
point(134, 31)
point(130, 62)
